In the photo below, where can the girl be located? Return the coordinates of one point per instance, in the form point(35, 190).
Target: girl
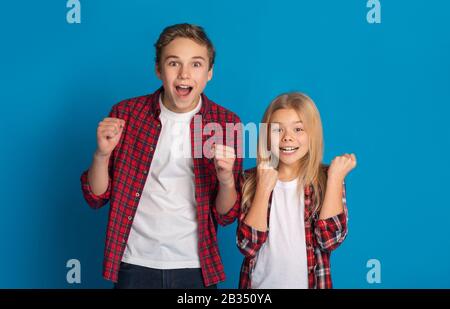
point(293, 207)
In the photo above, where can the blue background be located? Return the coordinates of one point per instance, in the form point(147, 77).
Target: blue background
point(382, 90)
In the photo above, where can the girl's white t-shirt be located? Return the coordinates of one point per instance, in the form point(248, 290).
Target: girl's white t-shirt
point(282, 261)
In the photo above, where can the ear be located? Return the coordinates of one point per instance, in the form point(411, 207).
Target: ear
point(158, 71)
point(210, 73)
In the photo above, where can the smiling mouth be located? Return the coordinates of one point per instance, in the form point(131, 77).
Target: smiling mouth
point(288, 150)
point(183, 90)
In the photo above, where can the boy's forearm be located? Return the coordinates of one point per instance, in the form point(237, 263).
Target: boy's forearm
point(226, 197)
point(257, 214)
point(332, 204)
point(98, 175)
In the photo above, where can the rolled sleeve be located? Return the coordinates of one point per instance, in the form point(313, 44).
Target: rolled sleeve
point(94, 201)
point(97, 201)
point(331, 232)
point(231, 215)
point(249, 240)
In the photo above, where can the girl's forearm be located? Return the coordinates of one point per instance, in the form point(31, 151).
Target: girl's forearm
point(332, 203)
point(257, 214)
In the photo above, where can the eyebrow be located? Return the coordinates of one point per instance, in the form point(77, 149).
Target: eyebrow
point(294, 122)
point(195, 57)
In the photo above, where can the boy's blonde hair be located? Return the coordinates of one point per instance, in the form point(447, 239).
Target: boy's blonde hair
point(188, 31)
point(312, 173)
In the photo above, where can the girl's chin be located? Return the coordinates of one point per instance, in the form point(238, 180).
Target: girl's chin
point(285, 159)
point(289, 161)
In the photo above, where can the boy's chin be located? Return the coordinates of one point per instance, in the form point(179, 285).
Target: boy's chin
point(184, 100)
point(184, 105)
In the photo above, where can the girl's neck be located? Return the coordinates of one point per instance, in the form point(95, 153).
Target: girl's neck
point(288, 172)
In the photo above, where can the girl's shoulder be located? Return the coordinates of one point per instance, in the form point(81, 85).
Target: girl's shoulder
point(249, 172)
point(324, 167)
point(252, 171)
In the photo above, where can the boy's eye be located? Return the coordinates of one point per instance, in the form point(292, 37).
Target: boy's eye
point(196, 64)
point(173, 63)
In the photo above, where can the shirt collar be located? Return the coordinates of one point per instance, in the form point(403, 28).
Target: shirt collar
point(155, 109)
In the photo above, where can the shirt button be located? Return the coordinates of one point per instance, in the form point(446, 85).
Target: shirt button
point(151, 148)
point(145, 172)
point(130, 218)
point(137, 194)
point(158, 125)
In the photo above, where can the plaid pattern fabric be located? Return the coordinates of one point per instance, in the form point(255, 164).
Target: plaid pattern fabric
point(129, 166)
point(322, 236)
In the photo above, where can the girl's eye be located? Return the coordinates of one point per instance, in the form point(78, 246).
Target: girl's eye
point(299, 129)
point(277, 130)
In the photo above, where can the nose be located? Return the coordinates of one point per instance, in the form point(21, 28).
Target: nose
point(286, 138)
point(184, 72)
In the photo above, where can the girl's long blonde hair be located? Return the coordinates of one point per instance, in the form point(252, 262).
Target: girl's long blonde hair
point(312, 174)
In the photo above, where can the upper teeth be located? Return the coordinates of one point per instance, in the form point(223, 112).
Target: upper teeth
point(288, 148)
point(183, 86)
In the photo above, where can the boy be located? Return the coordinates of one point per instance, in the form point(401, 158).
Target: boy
point(165, 200)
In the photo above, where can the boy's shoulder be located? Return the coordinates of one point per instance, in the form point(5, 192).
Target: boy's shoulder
point(215, 112)
point(135, 106)
point(133, 103)
point(218, 112)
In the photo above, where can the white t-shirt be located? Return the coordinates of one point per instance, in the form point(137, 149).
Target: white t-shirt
point(281, 261)
point(164, 230)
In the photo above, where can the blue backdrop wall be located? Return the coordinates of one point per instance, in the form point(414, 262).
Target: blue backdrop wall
point(382, 89)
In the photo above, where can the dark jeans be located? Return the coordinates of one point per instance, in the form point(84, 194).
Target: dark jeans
point(139, 277)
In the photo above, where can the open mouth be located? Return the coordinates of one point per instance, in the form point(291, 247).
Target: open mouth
point(288, 150)
point(183, 90)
